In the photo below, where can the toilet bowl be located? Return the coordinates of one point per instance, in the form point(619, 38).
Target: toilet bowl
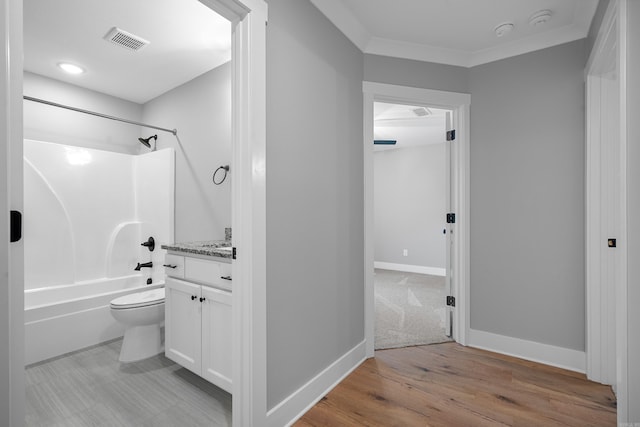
point(142, 313)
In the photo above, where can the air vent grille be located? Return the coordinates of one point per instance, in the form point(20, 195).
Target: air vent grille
point(125, 39)
point(421, 111)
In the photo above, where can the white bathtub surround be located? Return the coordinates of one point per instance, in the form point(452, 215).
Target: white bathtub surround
point(88, 213)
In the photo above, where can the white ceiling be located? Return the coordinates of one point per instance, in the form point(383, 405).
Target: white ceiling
point(456, 32)
point(187, 39)
point(401, 123)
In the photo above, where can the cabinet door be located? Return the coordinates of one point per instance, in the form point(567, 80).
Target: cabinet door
point(216, 337)
point(183, 324)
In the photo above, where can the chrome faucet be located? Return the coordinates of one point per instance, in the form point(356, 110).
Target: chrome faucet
point(146, 264)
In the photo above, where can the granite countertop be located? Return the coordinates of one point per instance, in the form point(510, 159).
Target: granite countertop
point(217, 248)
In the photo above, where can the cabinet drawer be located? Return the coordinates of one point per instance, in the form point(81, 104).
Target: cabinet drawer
point(200, 270)
point(223, 280)
point(174, 266)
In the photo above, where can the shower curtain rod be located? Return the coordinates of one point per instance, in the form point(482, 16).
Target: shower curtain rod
point(93, 113)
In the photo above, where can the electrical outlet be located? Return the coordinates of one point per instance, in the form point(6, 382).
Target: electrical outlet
point(405, 252)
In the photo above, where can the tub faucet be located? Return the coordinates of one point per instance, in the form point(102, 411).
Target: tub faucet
point(146, 264)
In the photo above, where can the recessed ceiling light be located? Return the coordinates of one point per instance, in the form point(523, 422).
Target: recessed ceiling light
point(503, 29)
point(71, 68)
point(541, 17)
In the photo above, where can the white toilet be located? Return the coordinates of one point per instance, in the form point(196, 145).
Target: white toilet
point(142, 313)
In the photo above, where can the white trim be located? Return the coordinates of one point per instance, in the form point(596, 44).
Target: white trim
point(248, 201)
point(434, 271)
point(459, 103)
point(607, 318)
point(622, 331)
point(417, 52)
point(400, 94)
point(347, 22)
point(298, 403)
point(12, 393)
point(565, 358)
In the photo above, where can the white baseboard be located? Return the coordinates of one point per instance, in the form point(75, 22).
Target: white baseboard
point(297, 404)
point(560, 357)
point(434, 271)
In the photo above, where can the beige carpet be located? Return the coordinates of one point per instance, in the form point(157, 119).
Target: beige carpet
point(410, 309)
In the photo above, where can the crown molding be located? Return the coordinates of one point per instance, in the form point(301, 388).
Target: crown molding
point(344, 19)
point(530, 44)
point(416, 51)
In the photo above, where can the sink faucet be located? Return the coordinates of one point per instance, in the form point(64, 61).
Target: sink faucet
point(146, 264)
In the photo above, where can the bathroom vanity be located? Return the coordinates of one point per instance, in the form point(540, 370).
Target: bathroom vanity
point(198, 309)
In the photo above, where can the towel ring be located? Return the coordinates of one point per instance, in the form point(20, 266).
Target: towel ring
point(225, 169)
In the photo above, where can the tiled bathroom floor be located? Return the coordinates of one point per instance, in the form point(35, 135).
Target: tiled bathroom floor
point(91, 388)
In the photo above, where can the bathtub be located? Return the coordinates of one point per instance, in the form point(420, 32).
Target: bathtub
point(65, 318)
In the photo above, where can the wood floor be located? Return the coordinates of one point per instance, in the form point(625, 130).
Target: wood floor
point(451, 385)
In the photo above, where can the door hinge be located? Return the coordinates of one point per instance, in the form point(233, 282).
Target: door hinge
point(451, 135)
point(451, 218)
point(15, 220)
point(451, 301)
point(233, 253)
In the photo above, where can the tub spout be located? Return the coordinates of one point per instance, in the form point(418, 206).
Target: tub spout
point(146, 264)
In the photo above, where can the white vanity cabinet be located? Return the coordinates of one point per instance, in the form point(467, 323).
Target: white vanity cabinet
point(198, 317)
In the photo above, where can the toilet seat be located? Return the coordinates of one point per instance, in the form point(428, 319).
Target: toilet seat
point(139, 299)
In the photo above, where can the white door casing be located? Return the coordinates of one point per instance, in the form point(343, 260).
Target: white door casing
point(606, 206)
point(450, 227)
point(459, 103)
point(12, 391)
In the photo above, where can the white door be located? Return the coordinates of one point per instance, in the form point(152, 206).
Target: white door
point(217, 337)
point(183, 323)
point(11, 254)
point(450, 224)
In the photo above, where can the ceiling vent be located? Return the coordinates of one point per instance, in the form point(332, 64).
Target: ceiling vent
point(421, 111)
point(125, 39)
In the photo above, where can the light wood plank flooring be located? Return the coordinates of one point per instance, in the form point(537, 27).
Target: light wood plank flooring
point(451, 385)
point(91, 388)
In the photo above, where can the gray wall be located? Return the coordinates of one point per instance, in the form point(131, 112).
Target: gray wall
point(407, 72)
point(633, 209)
point(52, 124)
point(596, 22)
point(201, 111)
point(315, 202)
point(410, 205)
point(527, 196)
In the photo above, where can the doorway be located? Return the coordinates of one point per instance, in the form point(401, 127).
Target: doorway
point(457, 230)
point(411, 196)
point(248, 19)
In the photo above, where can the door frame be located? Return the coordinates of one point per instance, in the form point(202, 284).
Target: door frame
point(12, 386)
point(459, 103)
point(606, 318)
point(248, 20)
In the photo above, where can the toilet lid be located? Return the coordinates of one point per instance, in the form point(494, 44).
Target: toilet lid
point(139, 299)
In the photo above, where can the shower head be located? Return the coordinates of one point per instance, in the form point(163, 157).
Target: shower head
point(146, 143)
